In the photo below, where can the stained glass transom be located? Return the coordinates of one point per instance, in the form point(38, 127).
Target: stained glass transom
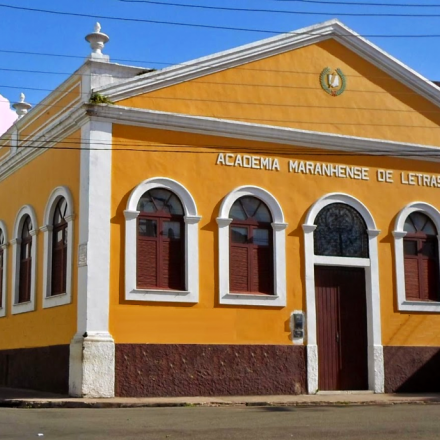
point(249, 207)
point(341, 232)
point(419, 223)
point(160, 200)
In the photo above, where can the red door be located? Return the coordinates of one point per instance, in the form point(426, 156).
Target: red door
point(342, 328)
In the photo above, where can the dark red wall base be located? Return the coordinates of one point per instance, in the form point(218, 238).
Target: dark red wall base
point(412, 369)
point(42, 368)
point(209, 370)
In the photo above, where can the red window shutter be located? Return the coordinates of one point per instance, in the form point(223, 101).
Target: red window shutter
point(173, 263)
point(58, 271)
point(429, 274)
point(59, 260)
point(64, 271)
point(412, 286)
point(147, 264)
point(28, 279)
point(262, 269)
point(239, 269)
point(24, 291)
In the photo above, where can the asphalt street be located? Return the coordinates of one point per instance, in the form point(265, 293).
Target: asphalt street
point(201, 423)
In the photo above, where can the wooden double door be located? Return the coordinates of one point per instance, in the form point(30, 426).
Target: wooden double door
point(341, 328)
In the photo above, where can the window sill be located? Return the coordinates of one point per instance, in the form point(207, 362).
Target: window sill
point(156, 295)
point(420, 306)
point(56, 300)
point(252, 299)
point(23, 307)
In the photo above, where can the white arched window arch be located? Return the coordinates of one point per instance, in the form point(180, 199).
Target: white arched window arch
point(60, 197)
point(25, 217)
point(399, 235)
point(371, 266)
point(191, 253)
point(3, 267)
point(278, 299)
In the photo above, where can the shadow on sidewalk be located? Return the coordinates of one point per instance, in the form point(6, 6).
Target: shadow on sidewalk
point(16, 393)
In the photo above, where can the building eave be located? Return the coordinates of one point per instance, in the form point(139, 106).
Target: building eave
point(262, 133)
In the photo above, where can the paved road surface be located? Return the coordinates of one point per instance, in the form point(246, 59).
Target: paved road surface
point(399, 422)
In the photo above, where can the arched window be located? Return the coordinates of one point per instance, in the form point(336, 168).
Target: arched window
point(161, 241)
point(25, 276)
point(24, 249)
point(416, 255)
point(340, 232)
point(421, 258)
point(59, 248)
point(251, 247)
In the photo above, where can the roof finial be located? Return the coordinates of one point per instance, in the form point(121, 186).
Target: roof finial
point(97, 40)
point(21, 107)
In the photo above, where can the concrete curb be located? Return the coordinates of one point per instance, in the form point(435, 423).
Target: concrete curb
point(103, 404)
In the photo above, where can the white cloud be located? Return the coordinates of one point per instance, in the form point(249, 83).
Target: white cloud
point(7, 116)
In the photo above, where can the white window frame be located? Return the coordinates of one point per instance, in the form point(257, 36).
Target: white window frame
point(47, 228)
point(278, 299)
point(28, 306)
point(376, 369)
point(191, 219)
point(399, 234)
point(4, 279)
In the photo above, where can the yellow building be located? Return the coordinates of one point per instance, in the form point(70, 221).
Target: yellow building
point(260, 221)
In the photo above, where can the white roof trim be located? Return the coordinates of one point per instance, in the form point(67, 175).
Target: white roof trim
point(260, 133)
point(273, 46)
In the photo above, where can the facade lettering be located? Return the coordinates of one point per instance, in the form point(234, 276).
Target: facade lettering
point(414, 179)
point(327, 170)
point(245, 161)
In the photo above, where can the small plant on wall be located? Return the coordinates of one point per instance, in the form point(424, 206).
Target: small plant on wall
point(97, 98)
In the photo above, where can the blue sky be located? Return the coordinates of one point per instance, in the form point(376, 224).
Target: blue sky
point(155, 45)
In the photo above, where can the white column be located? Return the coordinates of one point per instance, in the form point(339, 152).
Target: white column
point(92, 350)
point(223, 255)
point(376, 369)
point(312, 347)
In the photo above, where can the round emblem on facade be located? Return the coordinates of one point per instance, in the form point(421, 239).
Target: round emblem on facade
point(333, 81)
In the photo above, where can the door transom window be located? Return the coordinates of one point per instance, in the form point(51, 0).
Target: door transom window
point(340, 232)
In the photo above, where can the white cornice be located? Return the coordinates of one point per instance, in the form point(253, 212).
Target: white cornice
point(59, 129)
point(46, 103)
point(216, 62)
point(260, 133)
point(384, 61)
point(120, 72)
point(269, 47)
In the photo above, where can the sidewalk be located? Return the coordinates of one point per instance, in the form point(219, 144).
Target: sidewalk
point(15, 398)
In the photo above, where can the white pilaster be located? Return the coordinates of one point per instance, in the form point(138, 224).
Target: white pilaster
point(92, 350)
